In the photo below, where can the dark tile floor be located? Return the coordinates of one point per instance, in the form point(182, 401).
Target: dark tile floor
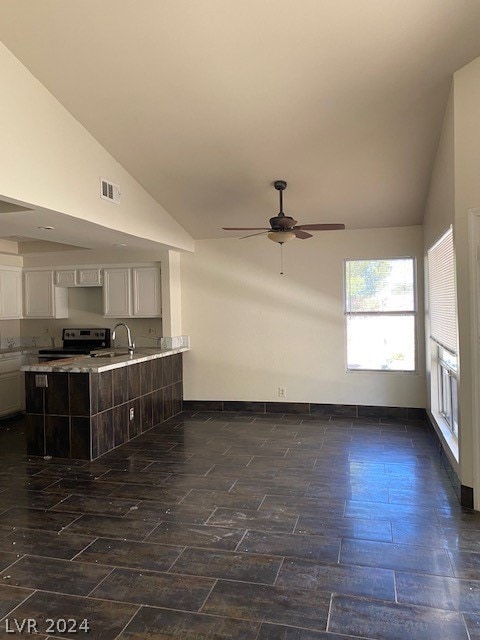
point(223, 526)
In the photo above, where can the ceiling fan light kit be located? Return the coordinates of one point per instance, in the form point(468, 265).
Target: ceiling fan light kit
point(281, 236)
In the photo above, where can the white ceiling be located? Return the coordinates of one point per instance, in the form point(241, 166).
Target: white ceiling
point(206, 102)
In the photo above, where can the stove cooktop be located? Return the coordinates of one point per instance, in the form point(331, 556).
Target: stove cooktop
point(80, 342)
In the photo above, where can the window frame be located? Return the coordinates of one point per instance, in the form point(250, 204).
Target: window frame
point(413, 314)
point(447, 383)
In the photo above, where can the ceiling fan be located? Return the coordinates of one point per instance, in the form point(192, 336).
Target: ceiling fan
point(283, 228)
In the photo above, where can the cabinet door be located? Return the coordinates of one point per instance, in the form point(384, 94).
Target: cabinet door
point(89, 277)
point(10, 393)
point(146, 292)
point(65, 278)
point(38, 294)
point(10, 293)
point(117, 292)
point(41, 298)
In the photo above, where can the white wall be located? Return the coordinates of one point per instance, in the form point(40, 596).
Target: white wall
point(440, 208)
point(467, 196)
point(171, 303)
point(253, 330)
point(9, 329)
point(49, 160)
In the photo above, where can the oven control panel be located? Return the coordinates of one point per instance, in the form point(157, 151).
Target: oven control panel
point(85, 334)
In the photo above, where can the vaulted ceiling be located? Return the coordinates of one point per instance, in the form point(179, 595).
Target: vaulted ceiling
point(206, 102)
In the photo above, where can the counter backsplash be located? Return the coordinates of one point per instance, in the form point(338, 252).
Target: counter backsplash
point(11, 342)
point(47, 340)
point(175, 342)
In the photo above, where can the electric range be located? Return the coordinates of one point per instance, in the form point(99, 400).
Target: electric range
point(77, 342)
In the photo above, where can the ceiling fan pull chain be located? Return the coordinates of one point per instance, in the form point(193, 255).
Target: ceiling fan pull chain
point(281, 258)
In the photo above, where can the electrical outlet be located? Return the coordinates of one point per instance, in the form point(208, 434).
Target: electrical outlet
point(46, 331)
point(132, 413)
point(41, 381)
point(282, 392)
point(151, 330)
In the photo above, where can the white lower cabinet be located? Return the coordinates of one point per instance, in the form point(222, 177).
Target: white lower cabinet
point(10, 393)
point(10, 293)
point(41, 298)
point(11, 387)
point(132, 292)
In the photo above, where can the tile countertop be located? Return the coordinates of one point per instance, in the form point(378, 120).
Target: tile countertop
point(87, 364)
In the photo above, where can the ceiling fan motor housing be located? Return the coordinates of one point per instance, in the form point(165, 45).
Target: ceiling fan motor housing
point(281, 222)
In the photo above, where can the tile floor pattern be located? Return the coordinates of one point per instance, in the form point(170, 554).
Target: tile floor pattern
point(240, 527)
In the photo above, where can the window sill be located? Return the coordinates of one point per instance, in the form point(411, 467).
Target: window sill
point(447, 438)
point(400, 371)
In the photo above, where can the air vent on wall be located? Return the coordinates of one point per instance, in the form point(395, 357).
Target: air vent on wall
point(109, 191)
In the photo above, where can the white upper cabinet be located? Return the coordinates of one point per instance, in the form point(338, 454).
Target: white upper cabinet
point(89, 277)
point(129, 291)
point(65, 278)
point(41, 298)
point(10, 293)
point(117, 292)
point(132, 292)
point(147, 301)
point(79, 277)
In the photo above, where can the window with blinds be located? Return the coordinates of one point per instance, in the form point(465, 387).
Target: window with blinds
point(443, 330)
point(380, 312)
point(442, 292)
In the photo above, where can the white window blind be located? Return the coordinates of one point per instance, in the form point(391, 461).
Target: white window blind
point(442, 294)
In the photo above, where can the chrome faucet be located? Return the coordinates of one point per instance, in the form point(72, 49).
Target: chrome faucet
point(131, 344)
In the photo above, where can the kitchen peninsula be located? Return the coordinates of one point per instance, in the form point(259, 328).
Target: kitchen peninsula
point(82, 407)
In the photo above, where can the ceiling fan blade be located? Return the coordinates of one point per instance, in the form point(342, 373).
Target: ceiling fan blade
point(303, 235)
point(260, 233)
point(246, 228)
point(320, 227)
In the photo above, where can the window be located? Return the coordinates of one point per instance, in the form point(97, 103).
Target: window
point(380, 313)
point(448, 388)
point(443, 330)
